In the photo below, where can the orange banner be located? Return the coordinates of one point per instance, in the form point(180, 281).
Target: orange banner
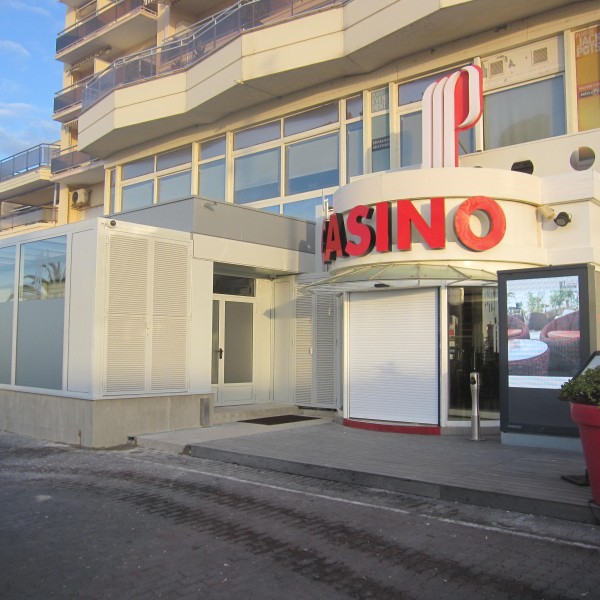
point(587, 61)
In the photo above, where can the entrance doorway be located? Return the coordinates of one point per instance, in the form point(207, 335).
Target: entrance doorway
point(233, 319)
point(473, 346)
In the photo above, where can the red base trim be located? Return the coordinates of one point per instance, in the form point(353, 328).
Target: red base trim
point(415, 429)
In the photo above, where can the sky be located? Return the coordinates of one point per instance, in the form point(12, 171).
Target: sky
point(29, 74)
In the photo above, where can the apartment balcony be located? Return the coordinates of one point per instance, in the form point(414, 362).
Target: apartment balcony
point(109, 31)
point(67, 102)
point(27, 173)
point(253, 52)
point(74, 167)
point(30, 217)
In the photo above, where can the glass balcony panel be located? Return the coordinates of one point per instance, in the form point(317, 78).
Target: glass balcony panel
point(98, 21)
point(70, 96)
point(70, 159)
point(28, 160)
point(27, 216)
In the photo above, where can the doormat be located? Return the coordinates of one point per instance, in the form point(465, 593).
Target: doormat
point(280, 420)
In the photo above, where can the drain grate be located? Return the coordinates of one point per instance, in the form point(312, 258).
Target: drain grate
point(280, 420)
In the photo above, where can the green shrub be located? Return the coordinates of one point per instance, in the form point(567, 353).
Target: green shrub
point(584, 389)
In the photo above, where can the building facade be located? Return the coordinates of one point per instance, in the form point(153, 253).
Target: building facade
point(203, 146)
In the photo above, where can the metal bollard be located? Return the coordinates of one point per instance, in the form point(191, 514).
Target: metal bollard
point(475, 383)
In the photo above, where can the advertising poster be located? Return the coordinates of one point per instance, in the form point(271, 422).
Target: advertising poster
point(543, 331)
point(587, 60)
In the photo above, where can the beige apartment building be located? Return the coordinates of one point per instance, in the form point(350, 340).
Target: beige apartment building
point(164, 257)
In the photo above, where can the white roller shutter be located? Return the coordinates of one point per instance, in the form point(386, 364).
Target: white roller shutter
point(393, 348)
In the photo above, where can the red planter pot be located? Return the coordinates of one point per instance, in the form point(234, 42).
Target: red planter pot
point(588, 419)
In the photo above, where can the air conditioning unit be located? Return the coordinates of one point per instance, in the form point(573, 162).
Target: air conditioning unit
point(80, 198)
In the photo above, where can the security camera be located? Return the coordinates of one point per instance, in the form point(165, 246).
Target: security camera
point(563, 219)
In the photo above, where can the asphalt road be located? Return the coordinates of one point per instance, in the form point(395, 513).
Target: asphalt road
point(79, 524)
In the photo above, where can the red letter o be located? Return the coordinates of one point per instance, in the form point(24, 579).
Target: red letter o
point(462, 227)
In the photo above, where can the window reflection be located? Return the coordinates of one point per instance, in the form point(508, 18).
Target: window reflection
point(7, 274)
point(313, 164)
point(43, 269)
point(524, 114)
point(257, 176)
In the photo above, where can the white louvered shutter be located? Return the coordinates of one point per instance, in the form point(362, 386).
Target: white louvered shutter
point(324, 365)
point(147, 315)
point(127, 314)
point(170, 317)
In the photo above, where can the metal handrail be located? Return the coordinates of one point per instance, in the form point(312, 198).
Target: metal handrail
point(70, 158)
point(28, 216)
point(97, 20)
point(186, 49)
point(28, 160)
point(70, 96)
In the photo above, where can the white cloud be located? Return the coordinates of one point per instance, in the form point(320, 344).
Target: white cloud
point(16, 110)
point(14, 48)
point(23, 126)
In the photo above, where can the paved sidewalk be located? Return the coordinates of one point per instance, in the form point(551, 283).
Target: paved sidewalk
point(451, 467)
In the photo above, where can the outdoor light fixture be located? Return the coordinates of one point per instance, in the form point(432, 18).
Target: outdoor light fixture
point(562, 219)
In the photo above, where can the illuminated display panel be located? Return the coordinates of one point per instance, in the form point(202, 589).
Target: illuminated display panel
point(543, 331)
point(547, 330)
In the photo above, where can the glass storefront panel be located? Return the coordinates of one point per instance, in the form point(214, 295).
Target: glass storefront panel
point(473, 346)
point(212, 180)
point(380, 145)
point(257, 176)
point(257, 135)
point(212, 148)
point(313, 164)
point(40, 328)
point(354, 150)
point(311, 119)
point(238, 342)
point(524, 114)
point(410, 139)
point(137, 195)
point(138, 168)
point(7, 296)
point(303, 209)
point(174, 158)
point(173, 187)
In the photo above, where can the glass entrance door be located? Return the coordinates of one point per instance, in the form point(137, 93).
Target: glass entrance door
point(473, 346)
point(232, 351)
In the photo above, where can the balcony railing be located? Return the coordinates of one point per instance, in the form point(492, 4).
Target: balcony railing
point(70, 159)
point(70, 96)
point(200, 41)
point(28, 216)
point(28, 160)
point(98, 20)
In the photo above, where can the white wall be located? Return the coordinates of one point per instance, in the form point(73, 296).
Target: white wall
point(201, 326)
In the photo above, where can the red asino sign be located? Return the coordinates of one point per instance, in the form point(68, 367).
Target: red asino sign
point(371, 227)
point(450, 105)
